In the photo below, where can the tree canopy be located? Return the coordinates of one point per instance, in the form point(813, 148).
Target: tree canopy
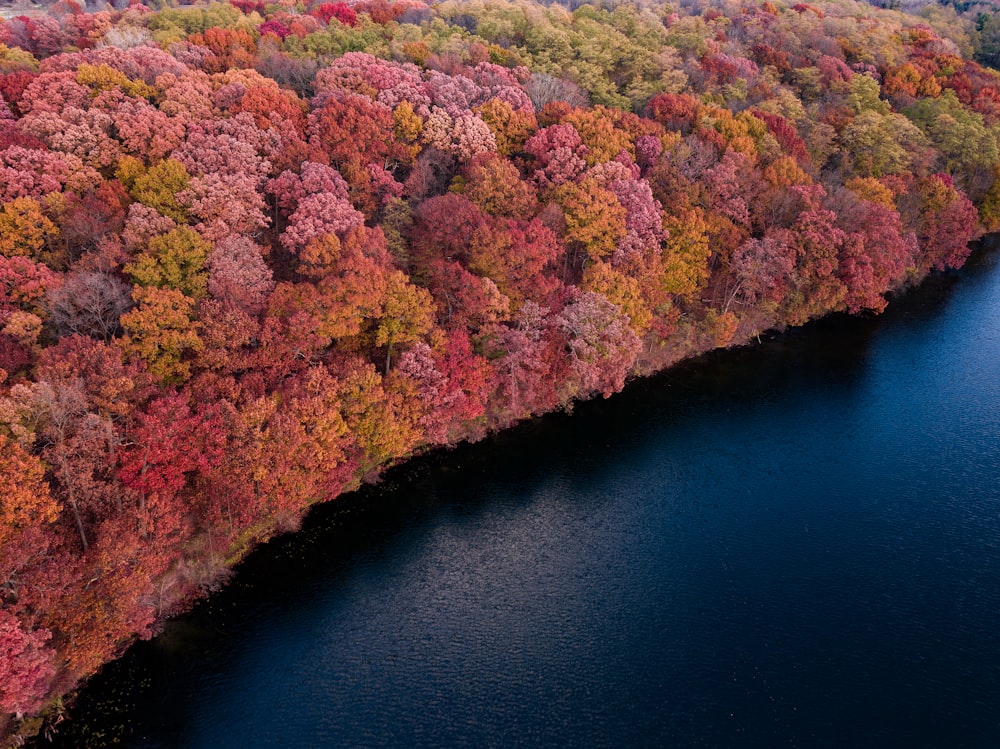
point(253, 253)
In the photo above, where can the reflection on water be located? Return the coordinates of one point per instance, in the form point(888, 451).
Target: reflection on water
point(794, 544)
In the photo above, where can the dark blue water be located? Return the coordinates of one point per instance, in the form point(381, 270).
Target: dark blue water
point(796, 544)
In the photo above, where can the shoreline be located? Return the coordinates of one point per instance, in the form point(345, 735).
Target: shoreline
point(53, 716)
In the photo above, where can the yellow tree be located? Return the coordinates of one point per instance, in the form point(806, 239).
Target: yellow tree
point(24, 229)
point(595, 220)
point(175, 260)
point(377, 417)
point(622, 290)
point(158, 186)
point(511, 127)
point(25, 500)
point(686, 253)
point(161, 332)
point(407, 314)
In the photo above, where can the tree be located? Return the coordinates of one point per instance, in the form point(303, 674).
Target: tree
point(161, 332)
point(600, 133)
point(169, 443)
point(545, 89)
point(515, 255)
point(559, 154)
point(225, 204)
point(622, 290)
point(407, 314)
point(26, 666)
point(946, 223)
point(297, 454)
point(602, 345)
point(644, 233)
point(238, 275)
point(157, 187)
point(112, 387)
point(85, 221)
point(728, 182)
point(878, 254)
point(445, 225)
point(317, 215)
point(25, 283)
point(510, 127)
point(173, 260)
point(273, 107)
point(355, 126)
point(881, 144)
point(27, 508)
point(340, 12)
point(463, 135)
point(382, 426)
point(32, 172)
point(495, 185)
point(89, 303)
point(595, 220)
point(227, 146)
point(674, 111)
point(449, 387)
point(526, 375)
point(24, 229)
point(289, 187)
point(762, 270)
point(818, 243)
point(146, 132)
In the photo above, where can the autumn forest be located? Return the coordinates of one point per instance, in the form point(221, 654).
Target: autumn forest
point(251, 253)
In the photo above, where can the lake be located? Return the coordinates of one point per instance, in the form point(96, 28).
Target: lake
point(791, 544)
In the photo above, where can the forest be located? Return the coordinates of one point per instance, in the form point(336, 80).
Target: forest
point(251, 253)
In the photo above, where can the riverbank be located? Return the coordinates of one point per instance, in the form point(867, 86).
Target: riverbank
point(681, 351)
point(806, 525)
point(254, 255)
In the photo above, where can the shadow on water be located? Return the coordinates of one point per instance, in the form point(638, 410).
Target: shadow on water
point(364, 536)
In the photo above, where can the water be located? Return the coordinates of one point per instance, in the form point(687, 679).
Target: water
point(796, 544)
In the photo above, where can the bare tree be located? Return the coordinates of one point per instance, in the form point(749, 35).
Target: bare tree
point(89, 303)
point(544, 88)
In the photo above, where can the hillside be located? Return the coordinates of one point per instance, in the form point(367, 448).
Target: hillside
point(253, 254)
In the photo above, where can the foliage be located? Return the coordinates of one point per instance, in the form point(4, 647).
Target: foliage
point(253, 253)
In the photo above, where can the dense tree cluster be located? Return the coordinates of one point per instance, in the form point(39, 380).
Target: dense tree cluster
point(252, 253)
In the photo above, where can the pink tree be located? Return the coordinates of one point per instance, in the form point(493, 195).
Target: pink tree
point(146, 132)
point(316, 215)
point(381, 80)
point(31, 173)
point(644, 232)
point(228, 147)
point(436, 398)
point(186, 94)
point(463, 135)
point(289, 187)
point(225, 204)
point(143, 224)
point(26, 666)
point(877, 254)
point(238, 275)
point(762, 270)
point(559, 154)
point(602, 345)
point(524, 368)
point(729, 183)
point(947, 222)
